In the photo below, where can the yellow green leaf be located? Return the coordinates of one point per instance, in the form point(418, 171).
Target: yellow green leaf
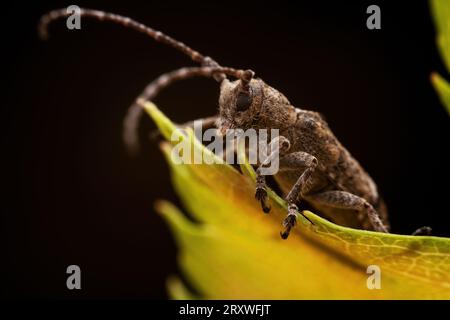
point(441, 15)
point(442, 88)
point(234, 251)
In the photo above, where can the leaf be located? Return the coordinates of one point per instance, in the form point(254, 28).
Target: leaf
point(441, 14)
point(234, 251)
point(442, 88)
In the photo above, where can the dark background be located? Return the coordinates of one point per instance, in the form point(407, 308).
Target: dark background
point(72, 194)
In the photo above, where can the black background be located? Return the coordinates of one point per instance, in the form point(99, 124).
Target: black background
point(72, 194)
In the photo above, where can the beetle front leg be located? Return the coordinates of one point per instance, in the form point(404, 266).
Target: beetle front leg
point(279, 145)
point(296, 161)
point(261, 192)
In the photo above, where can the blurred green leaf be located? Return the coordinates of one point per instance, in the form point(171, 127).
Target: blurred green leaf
point(234, 251)
point(442, 88)
point(441, 14)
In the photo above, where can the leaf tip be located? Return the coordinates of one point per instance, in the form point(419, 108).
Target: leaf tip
point(177, 290)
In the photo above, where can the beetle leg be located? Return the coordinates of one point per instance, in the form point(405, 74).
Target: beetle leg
point(346, 200)
point(422, 231)
point(261, 188)
point(296, 161)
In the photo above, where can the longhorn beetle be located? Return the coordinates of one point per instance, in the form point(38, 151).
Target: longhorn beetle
point(314, 166)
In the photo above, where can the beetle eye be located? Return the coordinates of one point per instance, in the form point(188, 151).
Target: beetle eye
point(243, 101)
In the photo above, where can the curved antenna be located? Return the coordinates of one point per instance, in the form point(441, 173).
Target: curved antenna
point(209, 67)
point(135, 112)
point(128, 23)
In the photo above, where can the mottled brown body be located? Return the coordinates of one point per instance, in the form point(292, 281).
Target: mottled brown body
point(337, 170)
point(308, 134)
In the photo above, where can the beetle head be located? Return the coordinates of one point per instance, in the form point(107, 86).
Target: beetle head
point(253, 105)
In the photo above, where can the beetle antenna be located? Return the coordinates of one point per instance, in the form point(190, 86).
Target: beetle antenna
point(158, 36)
point(135, 112)
point(209, 67)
